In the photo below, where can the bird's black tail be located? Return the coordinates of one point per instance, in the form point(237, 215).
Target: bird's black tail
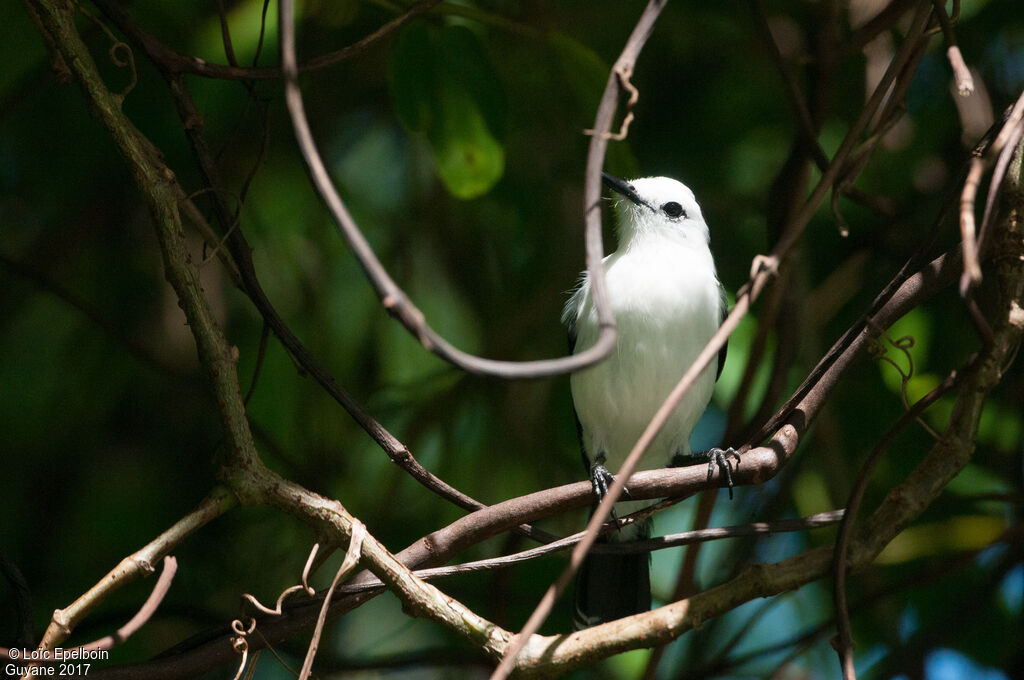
point(611, 585)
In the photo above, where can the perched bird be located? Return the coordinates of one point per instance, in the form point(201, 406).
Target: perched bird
point(667, 302)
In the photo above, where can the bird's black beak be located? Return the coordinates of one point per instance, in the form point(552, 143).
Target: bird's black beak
point(621, 186)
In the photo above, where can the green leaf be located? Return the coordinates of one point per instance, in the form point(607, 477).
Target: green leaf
point(468, 157)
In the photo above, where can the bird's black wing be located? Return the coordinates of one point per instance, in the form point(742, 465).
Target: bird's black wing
point(571, 323)
point(723, 305)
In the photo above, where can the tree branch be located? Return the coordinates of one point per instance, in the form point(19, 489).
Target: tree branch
point(181, 63)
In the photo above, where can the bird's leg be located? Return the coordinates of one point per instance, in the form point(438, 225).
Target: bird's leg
point(713, 457)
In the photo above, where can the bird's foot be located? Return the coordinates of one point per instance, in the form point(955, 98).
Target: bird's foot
point(713, 457)
point(601, 481)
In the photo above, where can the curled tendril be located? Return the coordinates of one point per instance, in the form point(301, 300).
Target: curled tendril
point(625, 75)
point(903, 344)
point(117, 45)
point(276, 611)
point(128, 61)
point(240, 642)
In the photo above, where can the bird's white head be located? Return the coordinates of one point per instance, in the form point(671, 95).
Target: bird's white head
point(659, 208)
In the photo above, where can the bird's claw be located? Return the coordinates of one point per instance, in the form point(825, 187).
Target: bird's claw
point(714, 457)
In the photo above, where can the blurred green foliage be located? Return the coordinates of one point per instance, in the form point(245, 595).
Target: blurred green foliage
point(441, 84)
point(458, 146)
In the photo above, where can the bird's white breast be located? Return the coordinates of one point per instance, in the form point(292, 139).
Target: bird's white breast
point(665, 297)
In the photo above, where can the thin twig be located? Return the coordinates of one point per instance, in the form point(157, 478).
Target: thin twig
point(263, 33)
point(822, 519)
point(181, 63)
point(355, 546)
point(392, 297)
point(225, 34)
point(191, 211)
point(1004, 146)
point(240, 644)
point(972, 270)
point(961, 74)
point(995, 184)
point(968, 233)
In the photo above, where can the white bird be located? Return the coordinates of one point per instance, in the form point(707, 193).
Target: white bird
point(667, 302)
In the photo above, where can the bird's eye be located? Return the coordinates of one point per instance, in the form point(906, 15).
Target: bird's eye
point(673, 209)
